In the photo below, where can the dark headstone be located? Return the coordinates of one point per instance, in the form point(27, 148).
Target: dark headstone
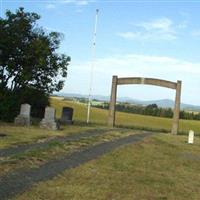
point(67, 115)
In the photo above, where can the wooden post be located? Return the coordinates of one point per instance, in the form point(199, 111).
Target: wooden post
point(111, 115)
point(175, 123)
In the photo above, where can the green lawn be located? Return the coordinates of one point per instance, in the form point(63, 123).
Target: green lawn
point(125, 119)
point(161, 167)
point(55, 149)
point(20, 135)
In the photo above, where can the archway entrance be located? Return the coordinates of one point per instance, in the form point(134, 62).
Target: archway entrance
point(148, 81)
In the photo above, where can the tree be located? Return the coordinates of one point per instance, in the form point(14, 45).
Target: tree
point(28, 54)
point(29, 57)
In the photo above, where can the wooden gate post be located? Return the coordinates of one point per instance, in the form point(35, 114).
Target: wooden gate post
point(111, 115)
point(175, 123)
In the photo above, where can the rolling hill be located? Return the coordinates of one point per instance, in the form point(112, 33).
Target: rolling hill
point(163, 103)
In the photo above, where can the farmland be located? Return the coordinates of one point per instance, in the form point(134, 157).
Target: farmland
point(99, 116)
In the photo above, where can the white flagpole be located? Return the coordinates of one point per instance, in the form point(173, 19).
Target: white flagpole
point(92, 67)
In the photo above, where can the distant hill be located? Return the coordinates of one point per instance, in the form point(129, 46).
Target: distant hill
point(168, 103)
point(164, 103)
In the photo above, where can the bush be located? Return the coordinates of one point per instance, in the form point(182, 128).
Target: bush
point(9, 106)
point(10, 103)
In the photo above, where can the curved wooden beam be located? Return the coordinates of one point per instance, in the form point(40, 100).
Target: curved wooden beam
point(147, 81)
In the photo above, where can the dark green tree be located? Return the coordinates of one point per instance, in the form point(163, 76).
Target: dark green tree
point(28, 54)
point(29, 60)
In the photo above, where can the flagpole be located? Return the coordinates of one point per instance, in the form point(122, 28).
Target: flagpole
point(92, 67)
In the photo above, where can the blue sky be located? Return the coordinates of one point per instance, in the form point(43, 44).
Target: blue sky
point(159, 39)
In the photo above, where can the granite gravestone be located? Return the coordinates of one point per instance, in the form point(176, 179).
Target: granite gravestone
point(49, 121)
point(23, 119)
point(67, 115)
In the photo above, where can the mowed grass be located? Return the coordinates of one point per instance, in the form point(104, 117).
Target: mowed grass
point(124, 119)
point(57, 149)
point(160, 167)
point(22, 135)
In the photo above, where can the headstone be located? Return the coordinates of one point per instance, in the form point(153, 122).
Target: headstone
point(23, 119)
point(49, 121)
point(67, 115)
point(191, 137)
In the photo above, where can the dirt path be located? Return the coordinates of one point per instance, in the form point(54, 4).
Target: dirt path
point(42, 145)
point(18, 181)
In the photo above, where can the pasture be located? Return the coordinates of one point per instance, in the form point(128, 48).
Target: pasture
point(99, 116)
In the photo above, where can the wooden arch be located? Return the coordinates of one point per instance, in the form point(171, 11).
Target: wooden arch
point(147, 81)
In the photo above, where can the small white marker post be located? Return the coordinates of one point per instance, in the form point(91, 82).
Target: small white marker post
point(191, 137)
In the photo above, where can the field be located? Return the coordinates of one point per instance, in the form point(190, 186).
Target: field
point(161, 166)
point(99, 116)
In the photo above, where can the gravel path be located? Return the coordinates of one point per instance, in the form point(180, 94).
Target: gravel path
point(42, 145)
point(18, 181)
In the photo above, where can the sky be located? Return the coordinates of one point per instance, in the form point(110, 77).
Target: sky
point(154, 39)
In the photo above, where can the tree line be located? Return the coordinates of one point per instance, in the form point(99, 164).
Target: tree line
point(152, 110)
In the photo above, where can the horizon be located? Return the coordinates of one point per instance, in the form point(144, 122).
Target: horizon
point(156, 39)
point(108, 96)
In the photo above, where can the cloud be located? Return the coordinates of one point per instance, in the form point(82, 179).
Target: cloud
point(147, 65)
point(136, 65)
point(196, 33)
point(183, 24)
point(82, 3)
point(50, 6)
point(77, 2)
point(162, 25)
point(141, 36)
point(130, 35)
point(158, 29)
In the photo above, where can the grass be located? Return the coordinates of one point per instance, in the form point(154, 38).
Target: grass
point(161, 167)
point(55, 149)
point(21, 135)
point(99, 116)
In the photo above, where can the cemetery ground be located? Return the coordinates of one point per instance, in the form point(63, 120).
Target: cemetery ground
point(160, 167)
point(151, 166)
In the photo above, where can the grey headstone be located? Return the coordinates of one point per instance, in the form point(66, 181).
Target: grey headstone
point(49, 120)
point(25, 110)
point(23, 119)
point(50, 113)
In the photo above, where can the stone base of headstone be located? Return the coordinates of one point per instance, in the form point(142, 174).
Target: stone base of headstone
point(66, 122)
point(51, 125)
point(22, 121)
